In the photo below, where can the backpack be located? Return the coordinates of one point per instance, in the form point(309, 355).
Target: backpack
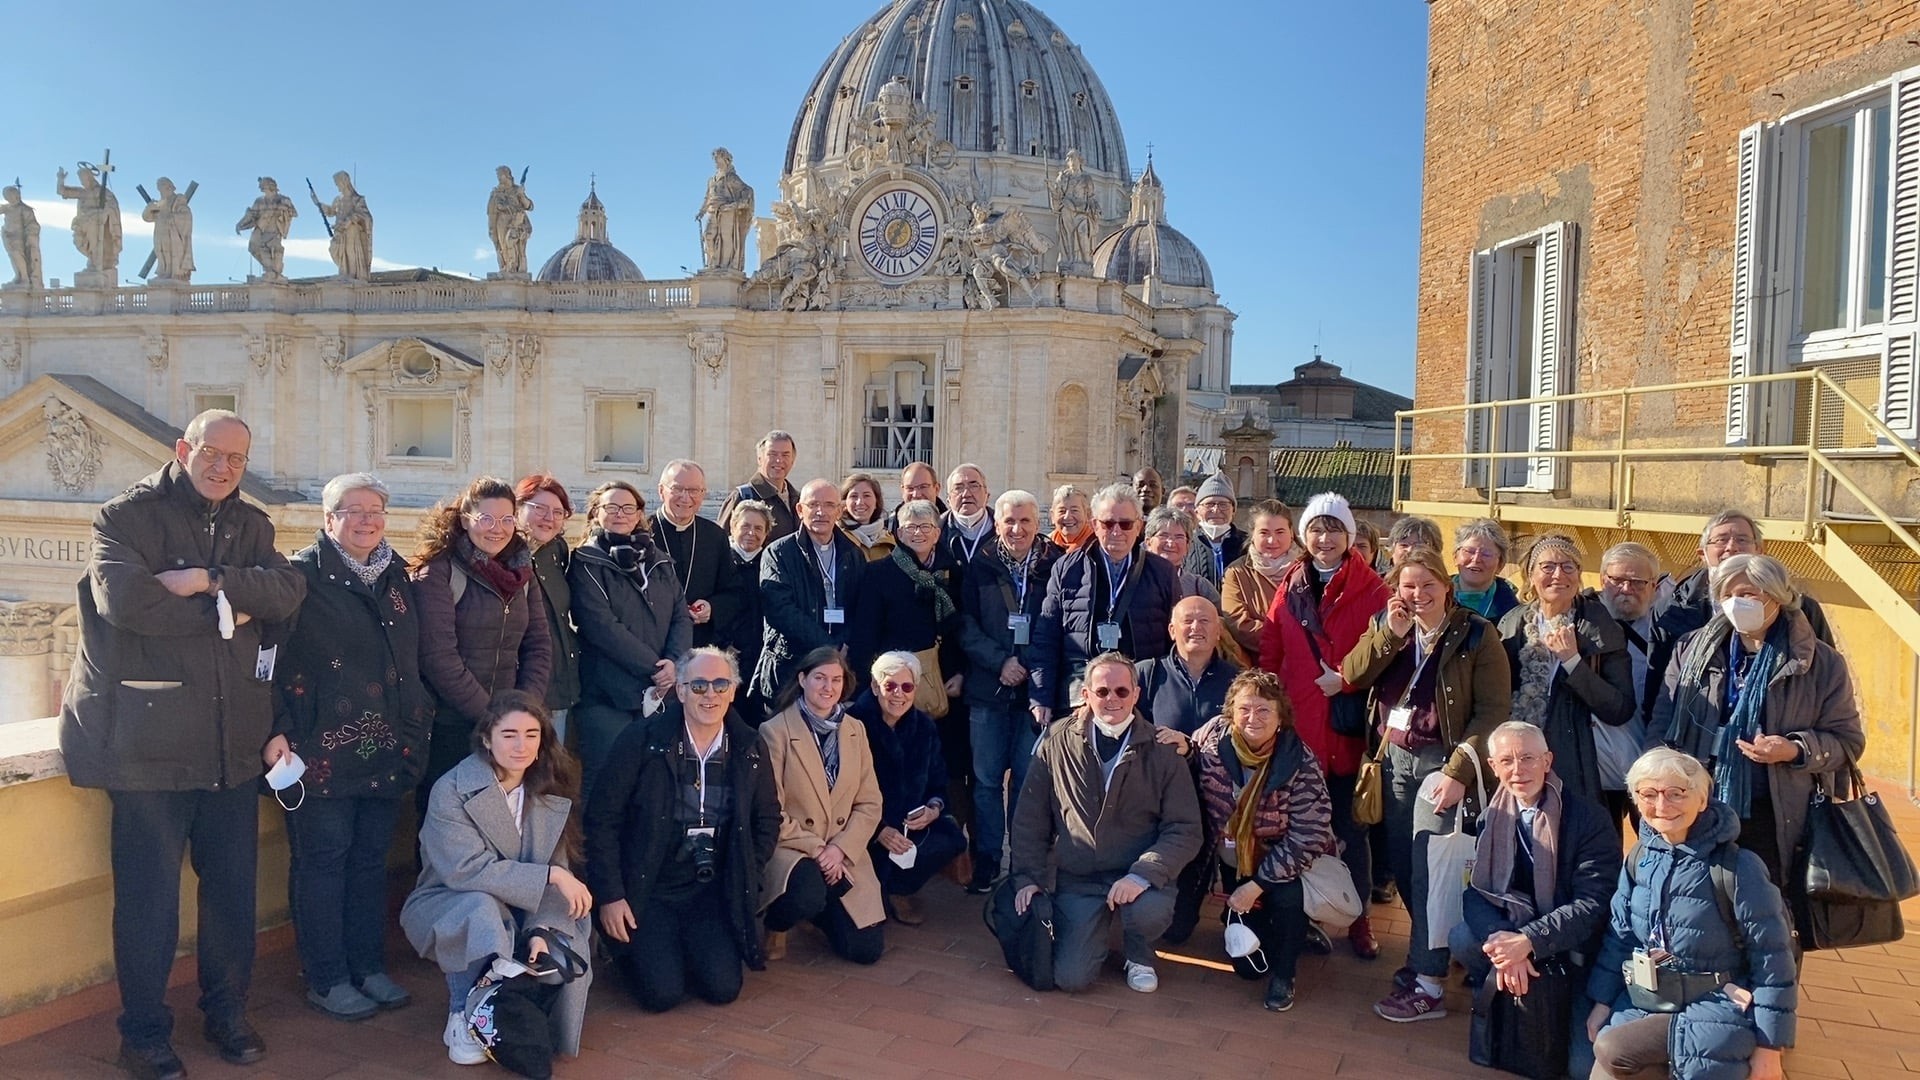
point(1724, 879)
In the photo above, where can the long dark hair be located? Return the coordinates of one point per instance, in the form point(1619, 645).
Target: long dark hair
point(818, 658)
point(442, 525)
point(553, 772)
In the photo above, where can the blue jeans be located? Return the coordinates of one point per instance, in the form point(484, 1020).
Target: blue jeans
point(337, 886)
point(1003, 739)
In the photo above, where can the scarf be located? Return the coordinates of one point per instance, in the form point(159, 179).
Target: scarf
point(1538, 666)
point(745, 555)
point(1481, 602)
point(368, 572)
point(1271, 569)
point(924, 582)
point(866, 535)
point(826, 732)
point(506, 573)
point(1732, 772)
point(1499, 849)
point(1246, 804)
point(1067, 543)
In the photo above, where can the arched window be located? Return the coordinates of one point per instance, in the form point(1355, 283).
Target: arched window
point(1071, 431)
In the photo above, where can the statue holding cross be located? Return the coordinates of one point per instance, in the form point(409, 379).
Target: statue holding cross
point(96, 222)
point(172, 218)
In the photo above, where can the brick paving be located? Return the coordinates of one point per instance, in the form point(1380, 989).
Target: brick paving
point(941, 1004)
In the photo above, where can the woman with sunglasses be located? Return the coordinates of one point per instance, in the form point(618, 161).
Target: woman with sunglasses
point(632, 618)
point(917, 837)
point(680, 827)
point(1571, 671)
point(483, 622)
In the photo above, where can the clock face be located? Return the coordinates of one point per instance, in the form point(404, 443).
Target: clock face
point(898, 233)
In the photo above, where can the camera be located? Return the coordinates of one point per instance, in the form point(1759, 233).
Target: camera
point(700, 851)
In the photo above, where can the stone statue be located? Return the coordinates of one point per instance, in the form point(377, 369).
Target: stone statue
point(96, 226)
point(172, 218)
point(509, 225)
point(725, 217)
point(1074, 199)
point(352, 225)
point(271, 219)
point(983, 248)
point(21, 231)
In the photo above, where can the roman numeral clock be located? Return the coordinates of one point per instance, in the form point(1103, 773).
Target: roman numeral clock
point(899, 233)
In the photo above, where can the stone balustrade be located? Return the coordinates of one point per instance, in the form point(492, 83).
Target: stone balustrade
point(411, 296)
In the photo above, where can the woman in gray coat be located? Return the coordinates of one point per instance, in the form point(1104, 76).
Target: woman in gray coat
point(496, 849)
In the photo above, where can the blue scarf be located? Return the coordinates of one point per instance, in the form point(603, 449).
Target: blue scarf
point(1746, 700)
point(826, 732)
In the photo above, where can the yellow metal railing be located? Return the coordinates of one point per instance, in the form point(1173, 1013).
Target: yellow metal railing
point(1821, 465)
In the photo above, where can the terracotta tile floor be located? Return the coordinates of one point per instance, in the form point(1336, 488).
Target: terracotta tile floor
point(940, 1003)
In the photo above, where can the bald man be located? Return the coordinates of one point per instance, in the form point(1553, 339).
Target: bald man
point(809, 581)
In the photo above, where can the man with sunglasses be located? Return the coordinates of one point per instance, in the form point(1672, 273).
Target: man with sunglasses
point(171, 702)
point(1108, 596)
point(679, 828)
point(1106, 821)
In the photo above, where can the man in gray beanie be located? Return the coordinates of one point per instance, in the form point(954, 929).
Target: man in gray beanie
point(1220, 541)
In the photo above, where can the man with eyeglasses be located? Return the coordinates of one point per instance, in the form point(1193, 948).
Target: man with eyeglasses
point(170, 703)
point(968, 521)
point(1726, 534)
point(679, 828)
point(1107, 596)
point(1629, 580)
point(699, 548)
point(773, 458)
point(810, 582)
point(1219, 541)
point(1106, 821)
point(1544, 871)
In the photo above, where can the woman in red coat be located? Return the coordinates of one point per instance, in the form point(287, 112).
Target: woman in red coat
point(1318, 614)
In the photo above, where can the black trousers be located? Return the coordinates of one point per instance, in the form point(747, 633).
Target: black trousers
point(682, 948)
point(337, 886)
point(808, 899)
point(152, 831)
point(1280, 921)
point(940, 843)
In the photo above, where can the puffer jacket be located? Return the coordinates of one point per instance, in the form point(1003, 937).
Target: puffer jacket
point(1713, 1038)
point(1077, 600)
point(1348, 603)
point(1475, 694)
point(472, 648)
point(1294, 816)
point(629, 619)
point(1600, 687)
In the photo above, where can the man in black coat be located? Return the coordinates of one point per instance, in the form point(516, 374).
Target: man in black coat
point(1729, 532)
point(1219, 542)
point(700, 550)
point(809, 584)
point(773, 459)
point(968, 523)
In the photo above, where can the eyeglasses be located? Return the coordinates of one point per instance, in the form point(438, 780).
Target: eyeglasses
point(1557, 569)
point(708, 686)
point(619, 509)
point(359, 515)
point(1634, 583)
point(676, 489)
point(1649, 796)
point(969, 485)
point(896, 687)
point(919, 527)
point(545, 512)
point(1104, 692)
point(1527, 760)
point(236, 462)
point(1118, 524)
point(1737, 542)
point(487, 522)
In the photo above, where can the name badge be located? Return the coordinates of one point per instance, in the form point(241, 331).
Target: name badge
point(834, 616)
point(263, 664)
point(1022, 632)
point(1108, 635)
point(1400, 719)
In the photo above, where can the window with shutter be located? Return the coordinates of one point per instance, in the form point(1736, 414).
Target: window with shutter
point(1519, 346)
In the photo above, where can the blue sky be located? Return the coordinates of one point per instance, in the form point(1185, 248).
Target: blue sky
point(1289, 135)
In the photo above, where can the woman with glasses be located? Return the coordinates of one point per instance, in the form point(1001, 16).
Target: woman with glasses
point(910, 601)
point(679, 829)
point(483, 621)
point(632, 616)
point(863, 516)
point(544, 511)
point(917, 837)
point(1479, 551)
point(351, 704)
point(1571, 671)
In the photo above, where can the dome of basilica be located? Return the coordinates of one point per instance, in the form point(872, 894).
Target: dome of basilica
point(591, 256)
point(1146, 244)
point(998, 76)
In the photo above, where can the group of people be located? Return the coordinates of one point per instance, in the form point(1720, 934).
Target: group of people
point(685, 738)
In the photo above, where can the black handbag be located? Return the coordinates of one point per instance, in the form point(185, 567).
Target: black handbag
point(512, 1016)
point(1526, 1035)
point(1854, 871)
point(1025, 940)
point(1347, 713)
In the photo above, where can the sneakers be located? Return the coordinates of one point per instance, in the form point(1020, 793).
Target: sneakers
point(1279, 994)
point(1142, 978)
point(1385, 894)
point(1405, 979)
point(776, 945)
point(1360, 936)
point(1407, 1006)
point(463, 1048)
point(343, 1002)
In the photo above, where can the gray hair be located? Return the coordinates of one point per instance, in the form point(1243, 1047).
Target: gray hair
point(1763, 572)
point(889, 662)
point(1629, 551)
point(197, 427)
point(683, 463)
point(1165, 517)
point(1067, 491)
point(774, 436)
point(1417, 531)
point(1518, 729)
point(1481, 529)
point(916, 510)
point(1665, 763)
point(687, 658)
point(963, 467)
point(1183, 489)
point(1012, 498)
point(1115, 494)
point(1727, 517)
point(749, 506)
point(345, 484)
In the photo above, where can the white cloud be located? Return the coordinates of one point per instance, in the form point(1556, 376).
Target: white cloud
point(482, 253)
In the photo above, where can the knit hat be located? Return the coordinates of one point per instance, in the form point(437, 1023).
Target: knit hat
point(1216, 485)
point(1328, 504)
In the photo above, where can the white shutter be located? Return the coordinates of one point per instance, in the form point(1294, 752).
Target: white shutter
point(1480, 338)
point(1750, 278)
point(1552, 355)
point(1897, 375)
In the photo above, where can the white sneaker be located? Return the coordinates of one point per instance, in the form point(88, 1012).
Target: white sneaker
point(1142, 978)
point(462, 1047)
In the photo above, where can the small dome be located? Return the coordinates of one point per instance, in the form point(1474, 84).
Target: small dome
point(591, 256)
point(1146, 244)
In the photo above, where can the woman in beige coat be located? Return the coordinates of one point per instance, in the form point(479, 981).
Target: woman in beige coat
point(829, 809)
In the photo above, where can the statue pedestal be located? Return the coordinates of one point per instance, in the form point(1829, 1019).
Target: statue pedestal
point(336, 295)
point(718, 288)
point(96, 279)
point(509, 275)
point(1080, 293)
point(1046, 290)
point(266, 295)
point(507, 292)
point(166, 297)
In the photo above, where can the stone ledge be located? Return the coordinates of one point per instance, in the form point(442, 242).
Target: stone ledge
point(30, 750)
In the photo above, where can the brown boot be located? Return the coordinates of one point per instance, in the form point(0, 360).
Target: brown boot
point(776, 946)
point(906, 912)
point(1360, 936)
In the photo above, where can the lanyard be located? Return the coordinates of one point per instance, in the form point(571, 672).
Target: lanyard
point(1116, 583)
point(1020, 580)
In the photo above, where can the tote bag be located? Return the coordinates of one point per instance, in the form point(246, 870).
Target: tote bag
point(1450, 865)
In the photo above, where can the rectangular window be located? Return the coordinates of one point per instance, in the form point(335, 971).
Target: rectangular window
point(1520, 347)
point(214, 399)
point(621, 428)
point(1844, 193)
point(898, 426)
point(420, 427)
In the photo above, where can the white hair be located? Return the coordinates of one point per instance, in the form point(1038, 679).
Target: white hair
point(1518, 729)
point(345, 484)
point(1012, 498)
point(1115, 494)
point(889, 662)
point(1763, 572)
point(687, 658)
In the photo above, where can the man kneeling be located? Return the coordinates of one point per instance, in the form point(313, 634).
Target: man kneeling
point(1115, 810)
point(1544, 873)
point(682, 820)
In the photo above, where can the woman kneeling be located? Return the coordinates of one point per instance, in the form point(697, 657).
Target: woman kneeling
point(917, 837)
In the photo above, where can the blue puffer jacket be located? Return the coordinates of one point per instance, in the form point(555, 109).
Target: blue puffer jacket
point(1713, 1038)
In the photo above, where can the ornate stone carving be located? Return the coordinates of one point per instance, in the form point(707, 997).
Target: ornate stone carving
point(96, 224)
point(725, 216)
point(709, 348)
point(504, 351)
point(927, 293)
point(10, 352)
point(497, 353)
point(333, 353)
point(171, 214)
point(27, 629)
point(994, 253)
point(463, 426)
point(351, 225)
point(898, 131)
point(509, 225)
point(1074, 199)
point(411, 364)
point(269, 352)
point(526, 351)
point(271, 219)
point(155, 347)
point(807, 261)
point(73, 449)
point(20, 232)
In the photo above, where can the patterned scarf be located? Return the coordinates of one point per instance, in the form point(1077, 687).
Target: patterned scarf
point(368, 572)
point(1732, 771)
point(1499, 849)
point(1537, 668)
point(1246, 804)
point(826, 731)
point(507, 573)
point(865, 535)
point(924, 582)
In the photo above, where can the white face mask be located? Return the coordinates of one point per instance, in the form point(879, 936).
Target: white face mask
point(1112, 731)
point(970, 521)
point(1215, 531)
point(1745, 613)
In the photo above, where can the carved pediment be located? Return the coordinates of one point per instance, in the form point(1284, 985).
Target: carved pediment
point(412, 362)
